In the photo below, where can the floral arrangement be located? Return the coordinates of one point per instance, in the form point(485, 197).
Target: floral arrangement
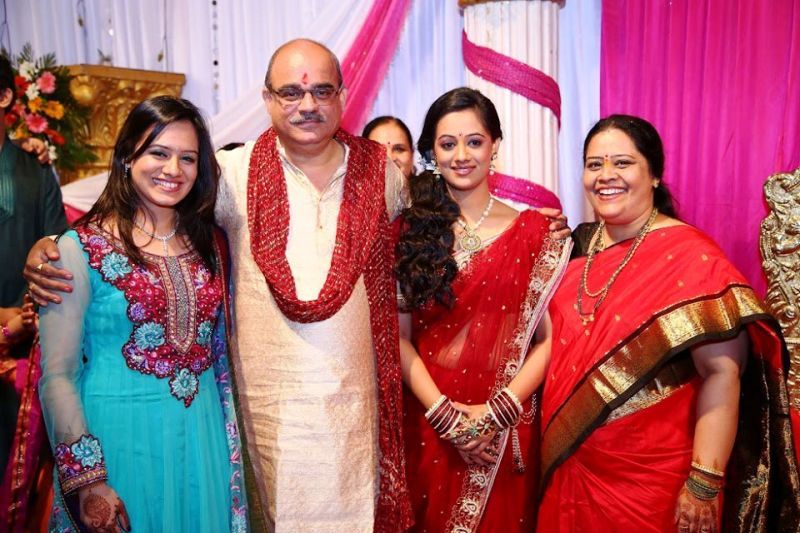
point(44, 108)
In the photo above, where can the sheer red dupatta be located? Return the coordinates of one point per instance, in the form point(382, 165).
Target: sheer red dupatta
point(471, 351)
point(678, 290)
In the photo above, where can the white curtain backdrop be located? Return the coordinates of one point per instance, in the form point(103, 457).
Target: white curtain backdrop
point(240, 35)
point(579, 80)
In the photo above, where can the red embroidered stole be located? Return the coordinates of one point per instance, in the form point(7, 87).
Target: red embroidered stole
point(363, 247)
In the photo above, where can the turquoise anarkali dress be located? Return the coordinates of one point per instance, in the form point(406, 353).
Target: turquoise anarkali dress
point(135, 389)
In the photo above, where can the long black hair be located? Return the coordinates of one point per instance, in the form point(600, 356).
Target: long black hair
point(648, 142)
point(119, 201)
point(425, 266)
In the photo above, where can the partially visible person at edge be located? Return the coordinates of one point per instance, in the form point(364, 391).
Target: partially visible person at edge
point(30, 208)
point(393, 134)
point(477, 276)
point(134, 388)
point(656, 337)
point(315, 356)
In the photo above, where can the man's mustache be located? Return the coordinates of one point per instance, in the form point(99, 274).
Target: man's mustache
point(307, 117)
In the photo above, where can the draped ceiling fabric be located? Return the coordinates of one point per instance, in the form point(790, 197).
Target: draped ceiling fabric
point(721, 82)
point(511, 53)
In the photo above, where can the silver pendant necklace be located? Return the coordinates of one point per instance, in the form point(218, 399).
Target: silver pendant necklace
point(163, 238)
point(469, 239)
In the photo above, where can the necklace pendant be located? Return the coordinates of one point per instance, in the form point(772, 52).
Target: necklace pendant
point(470, 241)
point(586, 319)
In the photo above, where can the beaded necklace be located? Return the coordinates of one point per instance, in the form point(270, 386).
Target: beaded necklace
point(596, 246)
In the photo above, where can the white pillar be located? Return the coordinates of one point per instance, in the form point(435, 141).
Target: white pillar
point(525, 30)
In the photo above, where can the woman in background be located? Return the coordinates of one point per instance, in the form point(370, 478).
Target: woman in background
point(395, 136)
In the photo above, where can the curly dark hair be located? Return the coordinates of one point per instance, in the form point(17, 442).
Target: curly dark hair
point(425, 266)
point(648, 142)
point(119, 201)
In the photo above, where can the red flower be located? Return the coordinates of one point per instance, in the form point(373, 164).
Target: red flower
point(10, 119)
point(22, 85)
point(36, 123)
point(56, 137)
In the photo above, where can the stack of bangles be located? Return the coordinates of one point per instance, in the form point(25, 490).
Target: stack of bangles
point(505, 409)
point(704, 483)
point(442, 416)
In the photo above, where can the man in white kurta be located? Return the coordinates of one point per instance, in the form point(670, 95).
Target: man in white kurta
point(307, 391)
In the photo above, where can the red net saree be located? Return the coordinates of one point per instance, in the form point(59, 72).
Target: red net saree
point(618, 409)
point(472, 351)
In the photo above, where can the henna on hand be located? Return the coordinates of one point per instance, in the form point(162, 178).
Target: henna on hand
point(97, 514)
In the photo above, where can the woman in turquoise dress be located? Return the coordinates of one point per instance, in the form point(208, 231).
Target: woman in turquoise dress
point(135, 387)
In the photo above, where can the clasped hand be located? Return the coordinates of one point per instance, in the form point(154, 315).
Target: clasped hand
point(474, 434)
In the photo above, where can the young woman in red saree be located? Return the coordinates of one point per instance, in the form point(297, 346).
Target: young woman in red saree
point(655, 337)
point(467, 352)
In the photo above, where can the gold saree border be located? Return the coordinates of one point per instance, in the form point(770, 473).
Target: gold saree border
point(634, 361)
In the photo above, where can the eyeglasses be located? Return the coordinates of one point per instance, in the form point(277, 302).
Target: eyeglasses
point(293, 95)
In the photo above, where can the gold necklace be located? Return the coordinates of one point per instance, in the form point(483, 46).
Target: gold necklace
point(469, 239)
point(595, 246)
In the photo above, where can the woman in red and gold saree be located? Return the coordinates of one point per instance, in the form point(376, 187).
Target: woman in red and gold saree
point(466, 347)
point(642, 424)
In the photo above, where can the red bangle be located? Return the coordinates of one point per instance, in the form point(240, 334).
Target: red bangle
point(7, 333)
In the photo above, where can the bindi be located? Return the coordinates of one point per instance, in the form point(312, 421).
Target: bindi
point(305, 77)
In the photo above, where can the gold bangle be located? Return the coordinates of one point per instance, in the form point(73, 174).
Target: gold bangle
point(708, 470)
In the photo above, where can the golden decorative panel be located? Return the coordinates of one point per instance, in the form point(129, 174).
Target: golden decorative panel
point(110, 93)
point(780, 259)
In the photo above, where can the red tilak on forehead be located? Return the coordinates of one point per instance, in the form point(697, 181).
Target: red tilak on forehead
point(305, 77)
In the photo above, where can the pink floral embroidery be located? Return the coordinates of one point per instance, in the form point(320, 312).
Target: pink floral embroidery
point(171, 332)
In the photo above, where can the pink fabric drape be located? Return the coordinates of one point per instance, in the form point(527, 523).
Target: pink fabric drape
point(720, 79)
point(365, 65)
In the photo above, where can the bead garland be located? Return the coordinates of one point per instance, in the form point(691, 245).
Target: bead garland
point(595, 246)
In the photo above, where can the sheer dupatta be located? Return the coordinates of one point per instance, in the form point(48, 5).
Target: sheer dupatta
point(472, 351)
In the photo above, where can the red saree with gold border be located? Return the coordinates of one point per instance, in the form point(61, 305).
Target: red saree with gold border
point(472, 351)
point(618, 409)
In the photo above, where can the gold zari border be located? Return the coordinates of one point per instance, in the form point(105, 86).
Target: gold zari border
point(633, 362)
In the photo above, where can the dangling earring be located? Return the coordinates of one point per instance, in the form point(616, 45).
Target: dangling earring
point(127, 170)
point(491, 163)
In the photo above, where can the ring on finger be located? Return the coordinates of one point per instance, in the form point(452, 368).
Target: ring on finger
point(39, 266)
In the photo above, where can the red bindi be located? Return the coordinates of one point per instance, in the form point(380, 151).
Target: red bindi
point(305, 77)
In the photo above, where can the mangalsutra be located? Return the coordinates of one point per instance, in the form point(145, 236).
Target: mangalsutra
point(469, 239)
point(163, 238)
point(595, 246)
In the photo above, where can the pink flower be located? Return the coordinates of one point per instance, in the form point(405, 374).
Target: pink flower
point(46, 82)
point(36, 123)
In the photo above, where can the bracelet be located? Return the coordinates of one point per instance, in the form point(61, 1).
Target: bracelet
point(504, 408)
point(435, 405)
point(7, 333)
point(701, 490)
point(708, 470)
point(442, 416)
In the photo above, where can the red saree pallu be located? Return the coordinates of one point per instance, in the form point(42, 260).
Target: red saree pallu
point(472, 351)
point(619, 402)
